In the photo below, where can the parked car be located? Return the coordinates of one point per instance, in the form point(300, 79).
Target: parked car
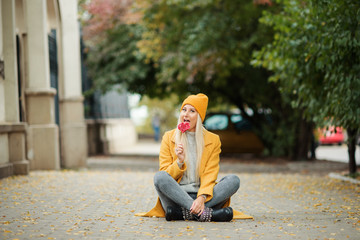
point(235, 133)
point(329, 136)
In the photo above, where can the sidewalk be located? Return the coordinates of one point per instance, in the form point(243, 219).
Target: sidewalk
point(336, 153)
point(94, 204)
point(288, 201)
point(143, 148)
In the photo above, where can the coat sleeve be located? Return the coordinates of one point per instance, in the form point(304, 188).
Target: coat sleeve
point(168, 159)
point(211, 171)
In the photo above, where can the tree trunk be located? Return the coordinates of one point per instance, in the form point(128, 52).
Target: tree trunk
point(303, 138)
point(351, 150)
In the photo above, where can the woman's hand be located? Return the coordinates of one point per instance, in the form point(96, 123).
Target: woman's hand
point(198, 206)
point(179, 151)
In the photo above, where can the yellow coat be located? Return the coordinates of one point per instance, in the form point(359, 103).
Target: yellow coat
point(209, 169)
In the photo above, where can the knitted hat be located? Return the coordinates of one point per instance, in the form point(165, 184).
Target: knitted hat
point(199, 102)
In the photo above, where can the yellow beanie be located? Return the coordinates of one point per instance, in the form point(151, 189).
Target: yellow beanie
point(199, 102)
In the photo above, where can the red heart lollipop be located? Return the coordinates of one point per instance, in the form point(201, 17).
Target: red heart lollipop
point(184, 126)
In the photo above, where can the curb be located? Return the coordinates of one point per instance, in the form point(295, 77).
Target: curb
point(343, 178)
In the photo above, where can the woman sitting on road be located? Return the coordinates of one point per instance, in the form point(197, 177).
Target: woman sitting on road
point(189, 166)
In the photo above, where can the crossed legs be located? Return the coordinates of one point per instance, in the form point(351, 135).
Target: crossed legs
point(171, 194)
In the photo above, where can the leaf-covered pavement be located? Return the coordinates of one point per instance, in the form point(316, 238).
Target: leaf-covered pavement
point(101, 205)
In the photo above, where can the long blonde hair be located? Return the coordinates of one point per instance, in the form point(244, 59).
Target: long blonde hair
point(199, 138)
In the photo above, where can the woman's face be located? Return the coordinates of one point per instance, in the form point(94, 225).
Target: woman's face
point(189, 114)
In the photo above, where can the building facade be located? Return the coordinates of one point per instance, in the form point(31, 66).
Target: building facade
point(42, 123)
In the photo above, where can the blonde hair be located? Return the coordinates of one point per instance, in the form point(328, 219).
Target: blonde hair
point(181, 137)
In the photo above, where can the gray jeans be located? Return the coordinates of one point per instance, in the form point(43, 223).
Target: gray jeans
point(171, 194)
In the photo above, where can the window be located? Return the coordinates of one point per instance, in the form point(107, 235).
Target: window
point(216, 122)
point(235, 118)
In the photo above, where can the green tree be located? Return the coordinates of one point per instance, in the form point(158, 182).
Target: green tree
point(111, 32)
point(315, 59)
point(207, 46)
point(116, 60)
point(194, 46)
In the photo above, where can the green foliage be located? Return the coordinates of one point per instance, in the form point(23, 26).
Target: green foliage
point(315, 58)
point(116, 60)
point(207, 46)
point(201, 39)
point(196, 46)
